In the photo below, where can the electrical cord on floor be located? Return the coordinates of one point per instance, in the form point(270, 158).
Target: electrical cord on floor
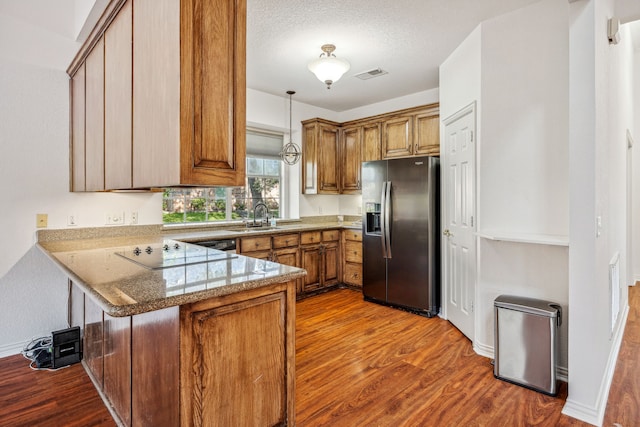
point(38, 351)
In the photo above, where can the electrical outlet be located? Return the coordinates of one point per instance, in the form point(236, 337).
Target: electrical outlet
point(115, 218)
point(72, 220)
point(41, 220)
point(134, 217)
point(319, 210)
point(359, 210)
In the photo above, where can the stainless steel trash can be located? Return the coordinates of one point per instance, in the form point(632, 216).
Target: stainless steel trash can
point(526, 342)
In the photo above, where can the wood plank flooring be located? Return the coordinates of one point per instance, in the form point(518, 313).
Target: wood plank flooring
point(362, 364)
point(358, 364)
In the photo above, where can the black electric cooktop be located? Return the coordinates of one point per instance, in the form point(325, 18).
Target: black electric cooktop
point(173, 254)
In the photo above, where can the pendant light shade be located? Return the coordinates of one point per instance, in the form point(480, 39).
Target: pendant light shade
point(290, 153)
point(328, 69)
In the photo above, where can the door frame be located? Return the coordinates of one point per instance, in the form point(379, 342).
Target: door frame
point(468, 109)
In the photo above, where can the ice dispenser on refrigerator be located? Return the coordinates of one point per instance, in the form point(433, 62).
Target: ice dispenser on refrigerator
point(373, 218)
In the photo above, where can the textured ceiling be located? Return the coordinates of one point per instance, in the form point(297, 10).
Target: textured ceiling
point(407, 38)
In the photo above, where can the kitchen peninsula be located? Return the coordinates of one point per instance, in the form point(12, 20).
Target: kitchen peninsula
point(188, 336)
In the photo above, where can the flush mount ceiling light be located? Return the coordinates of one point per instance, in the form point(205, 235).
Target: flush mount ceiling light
point(290, 153)
point(328, 68)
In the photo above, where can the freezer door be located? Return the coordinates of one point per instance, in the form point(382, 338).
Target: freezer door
point(374, 274)
point(413, 270)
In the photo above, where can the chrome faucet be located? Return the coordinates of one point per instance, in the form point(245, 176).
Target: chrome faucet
point(264, 220)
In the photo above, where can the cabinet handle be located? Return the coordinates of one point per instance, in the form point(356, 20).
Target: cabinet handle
point(415, 148)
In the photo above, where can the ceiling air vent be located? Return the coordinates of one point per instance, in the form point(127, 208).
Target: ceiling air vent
point(376, 72)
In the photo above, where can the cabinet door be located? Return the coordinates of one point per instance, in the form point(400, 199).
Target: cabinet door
point(371, 142)
point(427, 133)
point(288, 256)
point(351, 160)
point(310, 158)
point(117, 365)
point(310, 260)
point(156, 93)
point(212, 92)
point(117, 100)
point(94, 118)
point(236, 363)
point(330, 264)
point(397, 137)
point(328, 160)
point(93, 340)
point(155, 391)
point(77, 130)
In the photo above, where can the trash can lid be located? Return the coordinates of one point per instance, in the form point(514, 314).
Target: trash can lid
point(529, 305)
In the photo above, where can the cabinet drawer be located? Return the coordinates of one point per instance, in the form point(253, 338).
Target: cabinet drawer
point(353, 274)
point(309, 237)
point(266, 255)
point(248, 244)
point(286, 240)
point(353, 252)
point(331, 235)
point(354, 235)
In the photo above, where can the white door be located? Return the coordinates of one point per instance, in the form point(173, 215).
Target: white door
point(459, 252)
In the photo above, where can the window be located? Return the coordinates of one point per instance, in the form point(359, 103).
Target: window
point(262, 184)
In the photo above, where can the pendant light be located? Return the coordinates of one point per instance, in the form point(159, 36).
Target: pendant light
point(290, 153)
point(328, 69)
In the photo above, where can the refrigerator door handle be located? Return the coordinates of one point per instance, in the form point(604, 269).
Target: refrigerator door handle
point(383, 204)
point(387, 219)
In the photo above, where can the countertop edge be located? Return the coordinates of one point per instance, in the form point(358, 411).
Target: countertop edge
point(170, 301)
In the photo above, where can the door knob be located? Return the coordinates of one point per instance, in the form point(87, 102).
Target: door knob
point(447, 233)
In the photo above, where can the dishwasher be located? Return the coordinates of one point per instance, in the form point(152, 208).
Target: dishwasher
point(227, 245)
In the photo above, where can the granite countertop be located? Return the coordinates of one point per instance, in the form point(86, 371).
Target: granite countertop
point(121, 287)
point(195, 236)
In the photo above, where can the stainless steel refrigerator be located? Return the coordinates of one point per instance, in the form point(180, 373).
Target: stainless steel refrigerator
point(401, 233)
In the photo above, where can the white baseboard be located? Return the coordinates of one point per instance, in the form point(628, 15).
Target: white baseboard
point(595, 414)
point(483, 350)
point(12, 349)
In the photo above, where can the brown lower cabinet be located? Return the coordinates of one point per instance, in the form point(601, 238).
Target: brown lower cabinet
point(227, 360)
point(320, 256)
point(352, 258)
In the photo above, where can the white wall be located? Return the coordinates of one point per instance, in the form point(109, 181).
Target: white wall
point(636, 171)
point(413, 100)
point(515, 67)
point(34, 170)
point(600, 112)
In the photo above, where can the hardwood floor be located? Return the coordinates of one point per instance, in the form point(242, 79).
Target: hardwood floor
point(359, 364)
point(65, 397)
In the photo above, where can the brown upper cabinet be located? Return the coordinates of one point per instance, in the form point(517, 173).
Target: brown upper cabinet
point(412, 133)
point(350, 159)
point(173, 100)
point(333, 152)
point(320, 157)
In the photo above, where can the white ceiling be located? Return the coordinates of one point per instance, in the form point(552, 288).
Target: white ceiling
point(407, 38)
